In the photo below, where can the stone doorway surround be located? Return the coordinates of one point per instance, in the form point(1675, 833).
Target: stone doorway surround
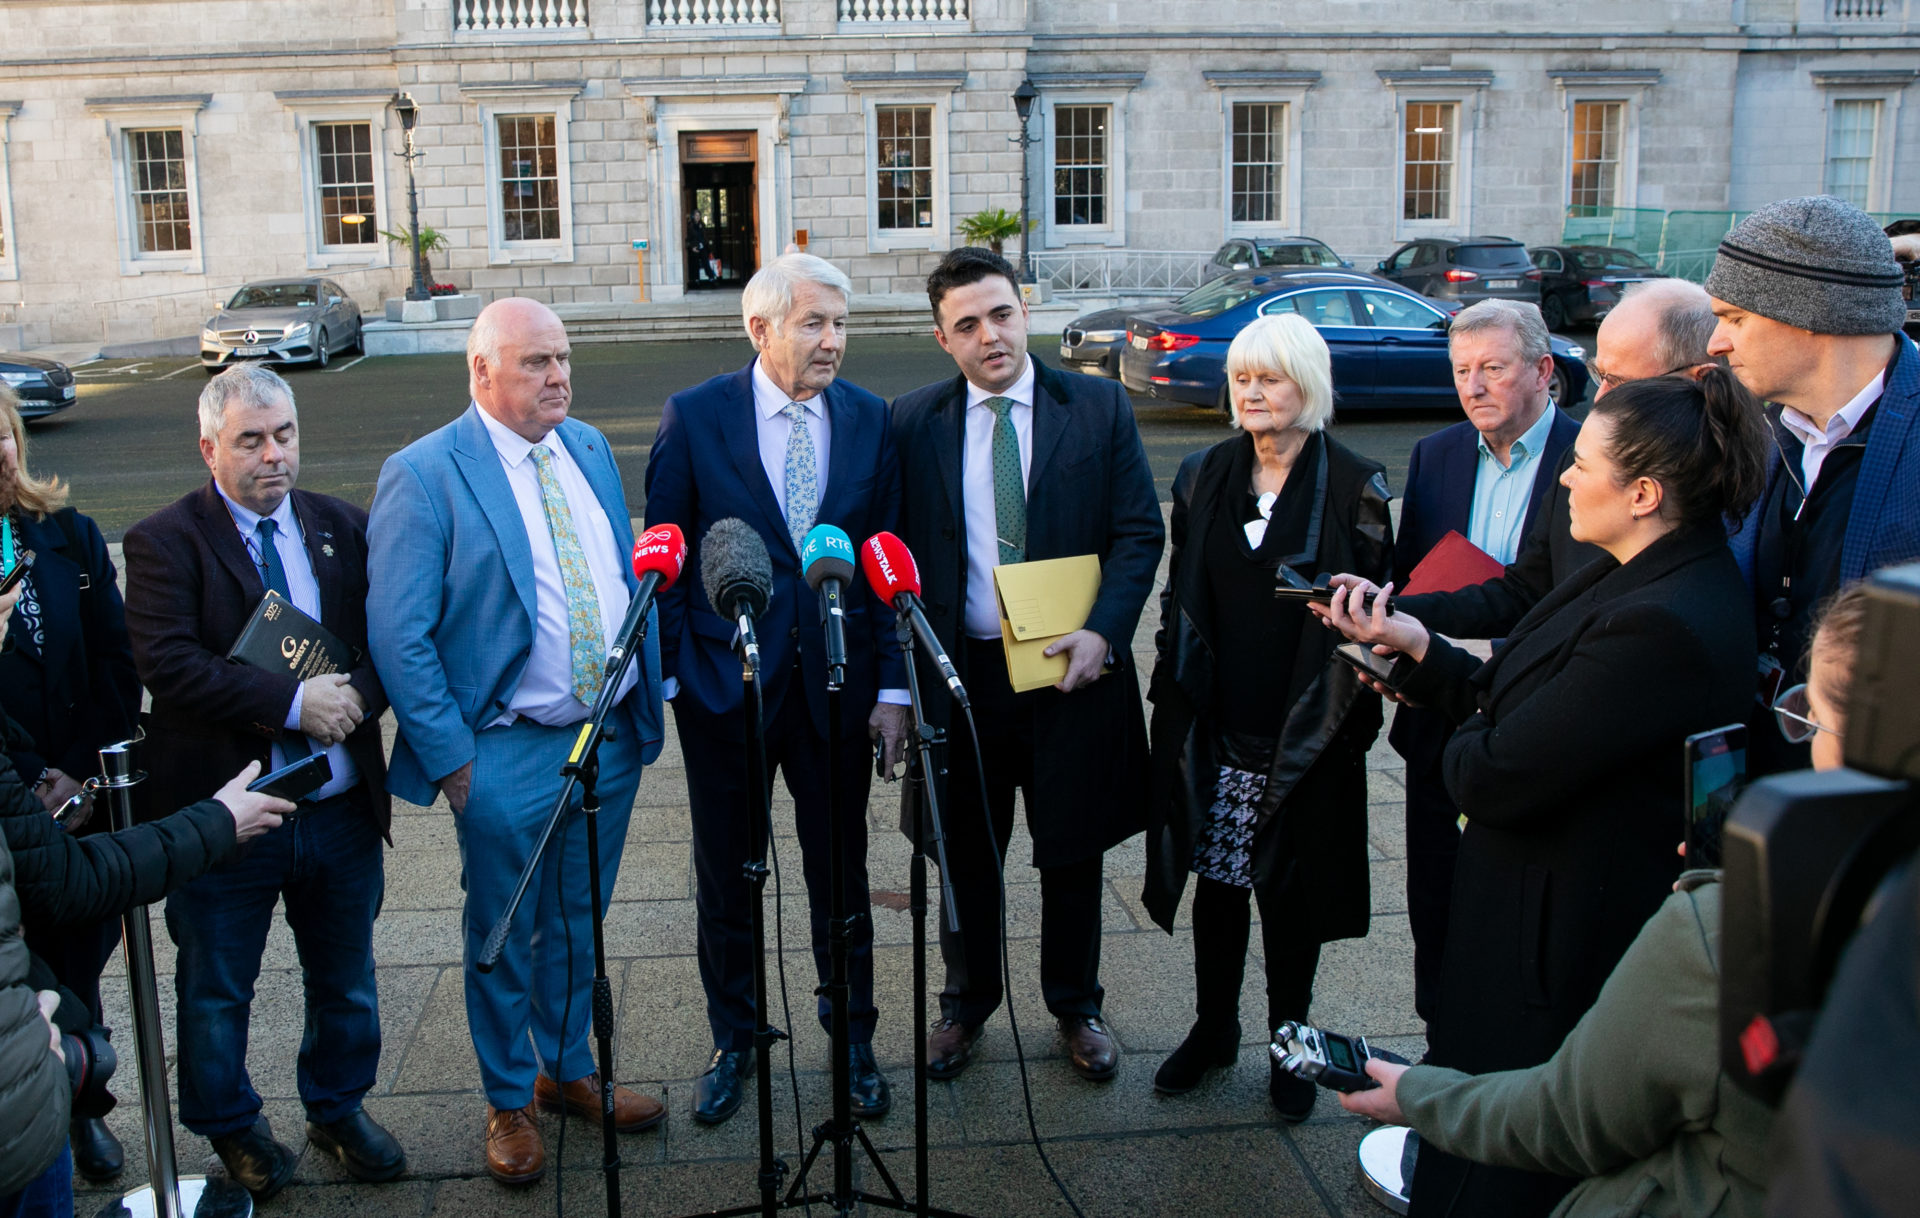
point(672, 107)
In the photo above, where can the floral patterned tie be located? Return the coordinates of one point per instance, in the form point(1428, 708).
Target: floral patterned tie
point(1009, 484)
point(803, 476)
point(583, 600)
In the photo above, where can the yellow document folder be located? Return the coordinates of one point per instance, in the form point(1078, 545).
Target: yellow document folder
point(1039, 602)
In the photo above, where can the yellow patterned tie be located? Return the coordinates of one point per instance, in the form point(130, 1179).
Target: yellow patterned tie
point(583, 601)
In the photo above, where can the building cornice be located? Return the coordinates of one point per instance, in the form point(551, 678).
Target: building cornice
point(740, 85)
point(1394, 78)
point(1604, 76)
point(929, 81)
point(1086, 80)
point(1853, 77)
point(153, 101)
point(507, 90)
point(1235, 78)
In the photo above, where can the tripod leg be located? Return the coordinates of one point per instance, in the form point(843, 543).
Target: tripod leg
point(602, 987)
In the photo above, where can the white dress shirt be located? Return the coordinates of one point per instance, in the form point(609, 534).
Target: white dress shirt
point(304, 590)
point(769, 410)
point(545, 693)
point(1816, 443)
point(976, 483)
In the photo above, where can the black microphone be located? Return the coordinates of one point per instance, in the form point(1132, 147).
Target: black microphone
point(826, 559)
point(895, 578)
point(737, 573)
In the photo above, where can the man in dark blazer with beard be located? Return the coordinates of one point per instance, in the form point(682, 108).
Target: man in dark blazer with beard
point(1012, 461)
point(196, 570)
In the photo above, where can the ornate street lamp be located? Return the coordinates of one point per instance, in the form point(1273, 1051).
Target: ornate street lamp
point(409, 114)
point(1023, 99)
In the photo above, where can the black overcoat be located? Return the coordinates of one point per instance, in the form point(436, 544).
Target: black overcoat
point(1310, 846)
point(1568, 767)
point(1089, 491)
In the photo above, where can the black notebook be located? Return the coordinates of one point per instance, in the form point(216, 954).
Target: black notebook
point(280, 638)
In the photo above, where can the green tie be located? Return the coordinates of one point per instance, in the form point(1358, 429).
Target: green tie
point(583, 600)
point(1009, 484)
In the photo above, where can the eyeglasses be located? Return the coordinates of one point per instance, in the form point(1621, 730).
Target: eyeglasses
point(1610, 381)
point(1794, 713)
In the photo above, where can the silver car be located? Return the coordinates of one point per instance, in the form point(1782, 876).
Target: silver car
point(282, 321)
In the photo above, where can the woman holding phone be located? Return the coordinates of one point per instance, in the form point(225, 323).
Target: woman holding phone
point(1259, 739)
point(1568, 759)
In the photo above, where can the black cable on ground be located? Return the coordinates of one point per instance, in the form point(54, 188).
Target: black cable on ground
point(780, 958)
point(1006, 969)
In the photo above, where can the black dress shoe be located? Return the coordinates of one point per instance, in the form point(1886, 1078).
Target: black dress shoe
point(96, 1152)
point(1292, 1097)
point(866, 1086)
point(718, 1092)
point(1207, 1047)
point(367, 1151)
point(255, 1161)
point(950, 1047)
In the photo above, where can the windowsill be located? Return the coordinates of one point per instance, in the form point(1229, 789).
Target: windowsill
point(367, 256)
point(545, 251)
point(889, 241)
point(189, 265)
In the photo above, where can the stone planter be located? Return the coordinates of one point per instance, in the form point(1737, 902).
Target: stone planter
point(464, 307)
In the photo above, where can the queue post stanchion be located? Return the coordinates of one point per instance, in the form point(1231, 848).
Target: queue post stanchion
point(167, 1193)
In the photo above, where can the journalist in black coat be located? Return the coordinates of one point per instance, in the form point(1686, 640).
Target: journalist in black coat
point(1080, 753)
point(1568, 758)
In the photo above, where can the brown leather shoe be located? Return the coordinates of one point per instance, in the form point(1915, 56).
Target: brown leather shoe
point(950, 1047)
point(1090, 1048)
point(632, 1112)
point(515, 1154)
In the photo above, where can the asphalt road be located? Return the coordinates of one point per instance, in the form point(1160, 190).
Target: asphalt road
point(130, 445)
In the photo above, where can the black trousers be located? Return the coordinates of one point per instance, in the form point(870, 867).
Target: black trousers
point(1433, 847)
point(717, 795)
point(1069, 895)
point(1222, 928)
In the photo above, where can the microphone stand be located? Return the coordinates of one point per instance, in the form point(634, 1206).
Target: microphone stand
point(582, 768)
point(170, 1195)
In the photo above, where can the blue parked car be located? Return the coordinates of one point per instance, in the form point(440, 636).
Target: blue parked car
point(1389, 345)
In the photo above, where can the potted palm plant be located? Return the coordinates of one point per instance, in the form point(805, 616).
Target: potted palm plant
point(432, 241)
point(991, 227)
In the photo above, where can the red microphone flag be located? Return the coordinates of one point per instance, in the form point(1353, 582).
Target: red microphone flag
point(662, 551)
point(889, 566)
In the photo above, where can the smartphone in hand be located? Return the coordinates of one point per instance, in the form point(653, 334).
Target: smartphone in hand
point(296, 781)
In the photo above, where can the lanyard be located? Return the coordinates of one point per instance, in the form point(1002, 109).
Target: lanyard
point(6, 545)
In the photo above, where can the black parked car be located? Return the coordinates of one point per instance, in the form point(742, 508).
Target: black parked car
point(43, 386)
point(1467, 269)
point(1249, 253)
point(1584, 282)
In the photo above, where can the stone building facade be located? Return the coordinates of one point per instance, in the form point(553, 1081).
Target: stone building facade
point(154, 155)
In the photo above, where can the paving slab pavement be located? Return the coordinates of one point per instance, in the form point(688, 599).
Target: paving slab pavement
point(1121, 1148)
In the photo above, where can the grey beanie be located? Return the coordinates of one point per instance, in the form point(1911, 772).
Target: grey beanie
point(1817, 263)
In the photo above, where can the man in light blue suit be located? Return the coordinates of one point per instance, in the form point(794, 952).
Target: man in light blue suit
point(498, 572)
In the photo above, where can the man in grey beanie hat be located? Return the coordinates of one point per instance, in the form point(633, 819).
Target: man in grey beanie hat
point(1807, 296)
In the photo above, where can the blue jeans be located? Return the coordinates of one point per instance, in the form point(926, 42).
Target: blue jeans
point(49, 1196)
point(327, 863)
